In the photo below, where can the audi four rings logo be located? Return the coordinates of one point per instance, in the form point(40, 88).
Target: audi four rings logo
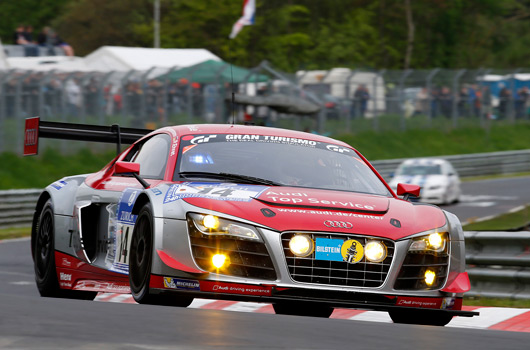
point(338, 224)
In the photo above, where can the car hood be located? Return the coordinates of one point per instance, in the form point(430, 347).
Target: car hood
point(302, 209)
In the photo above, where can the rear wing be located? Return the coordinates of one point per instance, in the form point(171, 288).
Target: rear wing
point(36, 128)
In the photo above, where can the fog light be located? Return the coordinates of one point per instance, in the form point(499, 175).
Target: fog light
point(375, 251)
point(430, 276)
point(301, 245)
point(210, 222)
point(436, 241)
point(220, 260)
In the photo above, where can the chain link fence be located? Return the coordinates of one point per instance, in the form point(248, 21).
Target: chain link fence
point(347, 101)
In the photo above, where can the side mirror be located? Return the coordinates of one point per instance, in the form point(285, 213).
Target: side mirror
point(407, 190)
point(127, 168)
point(130, 168)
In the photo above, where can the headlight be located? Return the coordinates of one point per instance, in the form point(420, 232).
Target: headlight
point(435, 242)
point(430, 277)
point(375, 251)
point(301, 245)
point(213, 225)
point(220, 260)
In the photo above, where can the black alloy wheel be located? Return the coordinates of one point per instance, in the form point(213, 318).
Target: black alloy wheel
point(140, 259)
point(44, 259)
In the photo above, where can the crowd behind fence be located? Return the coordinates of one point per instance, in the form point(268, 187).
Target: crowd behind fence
point(349, 100)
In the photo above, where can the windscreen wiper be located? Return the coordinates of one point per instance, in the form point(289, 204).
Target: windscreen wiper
point(229, 176)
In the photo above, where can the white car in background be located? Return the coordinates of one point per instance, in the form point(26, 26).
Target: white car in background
point(439, 181)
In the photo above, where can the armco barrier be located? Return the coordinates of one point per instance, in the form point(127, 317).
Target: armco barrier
point(498, 264)
point(17, 207)
point(477, 164)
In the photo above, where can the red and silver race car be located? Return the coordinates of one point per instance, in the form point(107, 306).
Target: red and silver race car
point(244, 213)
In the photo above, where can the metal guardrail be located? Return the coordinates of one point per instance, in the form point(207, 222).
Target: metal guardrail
point(498, 264)
point(17, 207)
point(477, 164)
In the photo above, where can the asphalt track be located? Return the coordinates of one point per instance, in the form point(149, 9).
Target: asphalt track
point(487, 198)
point(28, 321)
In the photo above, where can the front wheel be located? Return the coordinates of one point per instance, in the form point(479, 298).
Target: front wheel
point(302, 309)
point(140, 260)
point(423, 317)
point(44, 258)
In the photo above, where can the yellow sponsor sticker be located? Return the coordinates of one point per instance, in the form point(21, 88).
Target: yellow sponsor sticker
point(352, 251)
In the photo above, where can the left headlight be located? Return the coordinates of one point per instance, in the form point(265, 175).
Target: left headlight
point(215, 226)
point(375, 251)
point(435, 242)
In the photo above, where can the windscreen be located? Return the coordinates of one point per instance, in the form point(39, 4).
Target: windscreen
point(275, 160)
point(413, 170)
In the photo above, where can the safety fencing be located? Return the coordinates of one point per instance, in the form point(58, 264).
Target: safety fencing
point(498, 264)
point(345, 100)
point(17, 207)
point(476, 164)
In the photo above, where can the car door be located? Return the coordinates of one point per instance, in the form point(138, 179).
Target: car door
point(103, 221)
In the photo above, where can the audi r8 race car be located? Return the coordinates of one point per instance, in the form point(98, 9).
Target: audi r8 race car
point(438, 180)
point(244, 213)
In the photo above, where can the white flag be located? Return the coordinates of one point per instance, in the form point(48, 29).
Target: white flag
point(249, 10)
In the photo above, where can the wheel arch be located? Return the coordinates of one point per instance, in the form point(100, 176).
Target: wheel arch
point(142, 199)
point(43, 198)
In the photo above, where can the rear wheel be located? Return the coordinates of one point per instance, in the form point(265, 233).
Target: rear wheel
point(302, 309)
point(44, 259)
point(423, 317)
point(140, 260)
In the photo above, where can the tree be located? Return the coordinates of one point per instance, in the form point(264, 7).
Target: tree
point(90, 24)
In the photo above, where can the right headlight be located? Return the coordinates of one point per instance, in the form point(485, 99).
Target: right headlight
point(435, 242)
point(212, 225)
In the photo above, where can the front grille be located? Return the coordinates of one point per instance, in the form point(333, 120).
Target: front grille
point(412, 273)
point(248, 259)
point(341, 273)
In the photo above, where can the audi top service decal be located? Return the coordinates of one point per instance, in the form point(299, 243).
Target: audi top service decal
point(218, 191)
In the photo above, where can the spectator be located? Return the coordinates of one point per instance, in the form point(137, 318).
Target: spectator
point(520, 102)
point(422, 102)
point(446, 101)
point(463, 100)
point(360, 101)
point(28, 34)
point(74, 97)
point(505, 97)
point(49, 38)
point(20, 37)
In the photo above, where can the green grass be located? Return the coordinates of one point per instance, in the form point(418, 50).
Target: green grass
point(497, 302)
point(504, 222)
point(15, 232)
point(438, 142)
point(52, 164)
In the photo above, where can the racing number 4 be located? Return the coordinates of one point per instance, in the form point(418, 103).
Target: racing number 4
point(124, 245)
point(225, 192)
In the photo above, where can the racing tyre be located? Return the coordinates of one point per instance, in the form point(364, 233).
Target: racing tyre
point(140, 260)
point(43, 240)
point(302, 309)
point(423, 317)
